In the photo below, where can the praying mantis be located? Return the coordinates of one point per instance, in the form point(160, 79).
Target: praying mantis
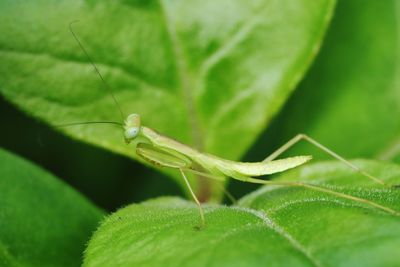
point(162, 151)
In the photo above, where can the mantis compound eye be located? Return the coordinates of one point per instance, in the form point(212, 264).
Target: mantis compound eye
point(131, 133)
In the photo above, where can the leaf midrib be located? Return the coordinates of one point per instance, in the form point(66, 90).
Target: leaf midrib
point(271, 224)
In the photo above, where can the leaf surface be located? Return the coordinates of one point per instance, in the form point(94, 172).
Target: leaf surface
point(43, 222)
point(274, 226)
point(350, 99)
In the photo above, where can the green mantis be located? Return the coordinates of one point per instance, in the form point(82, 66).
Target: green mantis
point(162, 151)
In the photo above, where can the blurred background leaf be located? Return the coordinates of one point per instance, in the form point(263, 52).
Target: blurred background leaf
point(209, 73)
point(273, 226)
point(350, 98)
point(43, 222)
point(108, 179)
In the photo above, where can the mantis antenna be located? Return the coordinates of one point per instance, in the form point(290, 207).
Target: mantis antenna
point(89, 122)
point(108, 88)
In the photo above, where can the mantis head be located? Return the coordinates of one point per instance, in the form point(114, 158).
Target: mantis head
point(132, 127)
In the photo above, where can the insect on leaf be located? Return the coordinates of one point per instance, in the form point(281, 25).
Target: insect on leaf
point(208, 73)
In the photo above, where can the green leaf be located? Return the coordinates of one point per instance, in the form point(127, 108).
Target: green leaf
point(350, 99)
point(274, 226)
point(43, 222)
point(208, 73)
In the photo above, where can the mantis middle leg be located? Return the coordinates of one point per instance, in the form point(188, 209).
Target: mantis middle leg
point(203, 221)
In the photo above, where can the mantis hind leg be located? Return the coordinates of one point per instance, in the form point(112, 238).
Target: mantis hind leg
point(328, 191)
point(300, 137)
point(201, 211)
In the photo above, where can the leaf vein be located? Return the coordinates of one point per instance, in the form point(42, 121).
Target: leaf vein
point(184, 78)
point(135, 75)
